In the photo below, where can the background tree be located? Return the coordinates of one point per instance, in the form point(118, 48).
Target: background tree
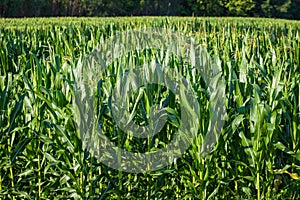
point(253, 8)
point(240, 7)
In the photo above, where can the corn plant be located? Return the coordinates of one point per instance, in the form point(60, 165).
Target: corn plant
point(256, 156)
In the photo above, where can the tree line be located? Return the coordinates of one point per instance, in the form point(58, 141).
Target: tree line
point(289, 9)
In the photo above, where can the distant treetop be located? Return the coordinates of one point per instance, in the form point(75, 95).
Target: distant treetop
point(252, 8)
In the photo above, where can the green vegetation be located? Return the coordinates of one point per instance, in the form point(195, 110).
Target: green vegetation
point(258, 152)
point(250, 8)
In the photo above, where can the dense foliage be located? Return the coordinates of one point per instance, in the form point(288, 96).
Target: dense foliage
point(258, 152)
point(252, 8)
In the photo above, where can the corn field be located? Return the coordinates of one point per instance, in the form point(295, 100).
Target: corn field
point(256, 156)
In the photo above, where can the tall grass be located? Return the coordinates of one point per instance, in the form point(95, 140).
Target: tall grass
point(257, 155)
